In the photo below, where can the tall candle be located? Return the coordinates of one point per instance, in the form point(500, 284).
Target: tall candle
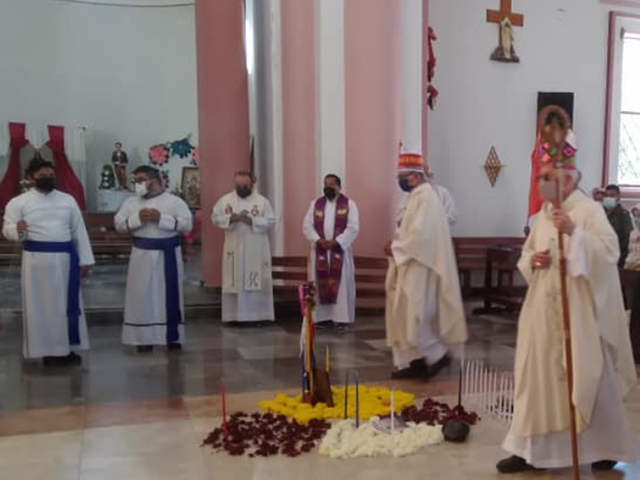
point(326, 359)
point(225, 429)
point(357, 401)
point(393, 413)
point(346, 395)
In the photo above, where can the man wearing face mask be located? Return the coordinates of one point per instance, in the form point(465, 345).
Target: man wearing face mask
point(619, 218)
point(603, 369)
point(56, 253)
point(332, 225)
point(154, 307)
point(246, 218)
point(424, 312)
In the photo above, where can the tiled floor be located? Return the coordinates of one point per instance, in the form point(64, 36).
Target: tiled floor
point(127, 416)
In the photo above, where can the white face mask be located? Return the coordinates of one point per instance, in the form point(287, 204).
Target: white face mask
point(141, 188)
point(548, 190)
point(610, 203)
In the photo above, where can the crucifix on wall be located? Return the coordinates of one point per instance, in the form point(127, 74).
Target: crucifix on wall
point(507, 20)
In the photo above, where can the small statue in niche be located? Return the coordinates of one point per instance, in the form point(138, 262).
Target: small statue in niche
point(107, 178)
point(120, 160)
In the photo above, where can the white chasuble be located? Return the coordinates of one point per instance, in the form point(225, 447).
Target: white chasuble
point(247, 287)
point(604, 371)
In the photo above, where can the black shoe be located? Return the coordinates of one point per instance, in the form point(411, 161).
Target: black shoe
point(514, 464)
point(417, 369)
point(604, 465)
point(439, 365)
point(74, 359)
point(144, 348)
point(324, 325)
point(62, 361)
point(174, 347)
point(54, 361)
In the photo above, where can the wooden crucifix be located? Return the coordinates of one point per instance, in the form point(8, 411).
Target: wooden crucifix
point(506, 18)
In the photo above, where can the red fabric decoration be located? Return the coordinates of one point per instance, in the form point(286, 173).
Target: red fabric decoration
point(535, 200)
point(10, 185)
point(431, 64)
point(67, 180)
point(432, 94)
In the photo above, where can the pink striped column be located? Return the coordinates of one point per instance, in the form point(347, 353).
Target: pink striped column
point(298, 119)
point(373, 62)
point(223, 109)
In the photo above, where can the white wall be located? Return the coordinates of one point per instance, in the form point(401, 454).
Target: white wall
point(484, 103)
point(127, 74)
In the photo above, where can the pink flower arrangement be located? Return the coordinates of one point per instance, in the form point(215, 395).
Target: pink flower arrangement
point(159, 154)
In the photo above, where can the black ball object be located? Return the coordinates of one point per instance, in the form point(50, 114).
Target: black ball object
point(455, 431)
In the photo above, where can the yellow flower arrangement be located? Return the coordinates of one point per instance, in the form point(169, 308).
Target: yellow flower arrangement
point(374, 402)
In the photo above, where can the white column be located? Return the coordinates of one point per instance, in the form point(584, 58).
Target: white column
point(412, 71)
point(330, 93)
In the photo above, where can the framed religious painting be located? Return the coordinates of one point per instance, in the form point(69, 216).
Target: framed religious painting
point(190, 186)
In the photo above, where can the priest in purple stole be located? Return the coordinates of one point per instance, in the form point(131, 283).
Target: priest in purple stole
point(332, 225)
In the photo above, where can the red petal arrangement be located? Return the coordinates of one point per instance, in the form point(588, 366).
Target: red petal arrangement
point(438, 413)
point(266, 435)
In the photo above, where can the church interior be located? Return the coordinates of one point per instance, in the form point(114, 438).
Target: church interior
point(307, 103)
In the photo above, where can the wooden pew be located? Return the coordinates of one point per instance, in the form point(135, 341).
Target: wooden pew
point(106, 242)
point(471, 256)
point(289, 272)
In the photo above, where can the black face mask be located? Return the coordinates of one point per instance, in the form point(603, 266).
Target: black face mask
point(46, 184)
point(330, 193)
point(243, 192)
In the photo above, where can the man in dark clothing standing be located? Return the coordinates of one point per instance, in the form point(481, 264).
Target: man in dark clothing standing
point(619, 218)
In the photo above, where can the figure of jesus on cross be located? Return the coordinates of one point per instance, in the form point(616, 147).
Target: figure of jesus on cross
point(507, 19)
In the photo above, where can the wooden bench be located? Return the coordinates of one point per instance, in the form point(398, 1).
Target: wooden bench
point(289, 272)
point(501, 266)
point(106, 242)
point(471, 257)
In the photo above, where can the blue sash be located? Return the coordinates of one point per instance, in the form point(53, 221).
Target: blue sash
point(171, 282)
point(73, 290)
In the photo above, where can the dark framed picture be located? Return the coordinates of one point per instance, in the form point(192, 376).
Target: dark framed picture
point(190, 186)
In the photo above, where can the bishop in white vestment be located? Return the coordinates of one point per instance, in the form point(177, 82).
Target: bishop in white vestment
point(603, 367)
point(246, 218)
point(154, 302)
point(56, 249)
point(332, 225)
point(424, 311)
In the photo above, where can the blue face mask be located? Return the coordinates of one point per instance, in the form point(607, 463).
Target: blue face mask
point(404, 184)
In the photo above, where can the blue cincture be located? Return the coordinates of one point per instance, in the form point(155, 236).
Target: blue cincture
point(73, 290)
point(171, 282)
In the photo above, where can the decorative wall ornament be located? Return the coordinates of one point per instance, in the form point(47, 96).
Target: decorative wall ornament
point(161, 153)
point(493, 166)
point(432, 92)
point(507, 20)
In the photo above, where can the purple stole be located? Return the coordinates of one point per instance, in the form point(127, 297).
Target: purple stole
point(329, 262)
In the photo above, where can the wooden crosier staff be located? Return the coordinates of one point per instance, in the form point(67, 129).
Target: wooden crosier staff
point(554, 126)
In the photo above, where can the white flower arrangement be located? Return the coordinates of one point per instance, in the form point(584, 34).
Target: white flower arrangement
point(344, 440)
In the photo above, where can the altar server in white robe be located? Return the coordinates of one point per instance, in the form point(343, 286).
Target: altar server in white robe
point(332, 225)
point(603, 368)
point(56, 253)
point(424, 311)
point(154, 302)
point(246, 218)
